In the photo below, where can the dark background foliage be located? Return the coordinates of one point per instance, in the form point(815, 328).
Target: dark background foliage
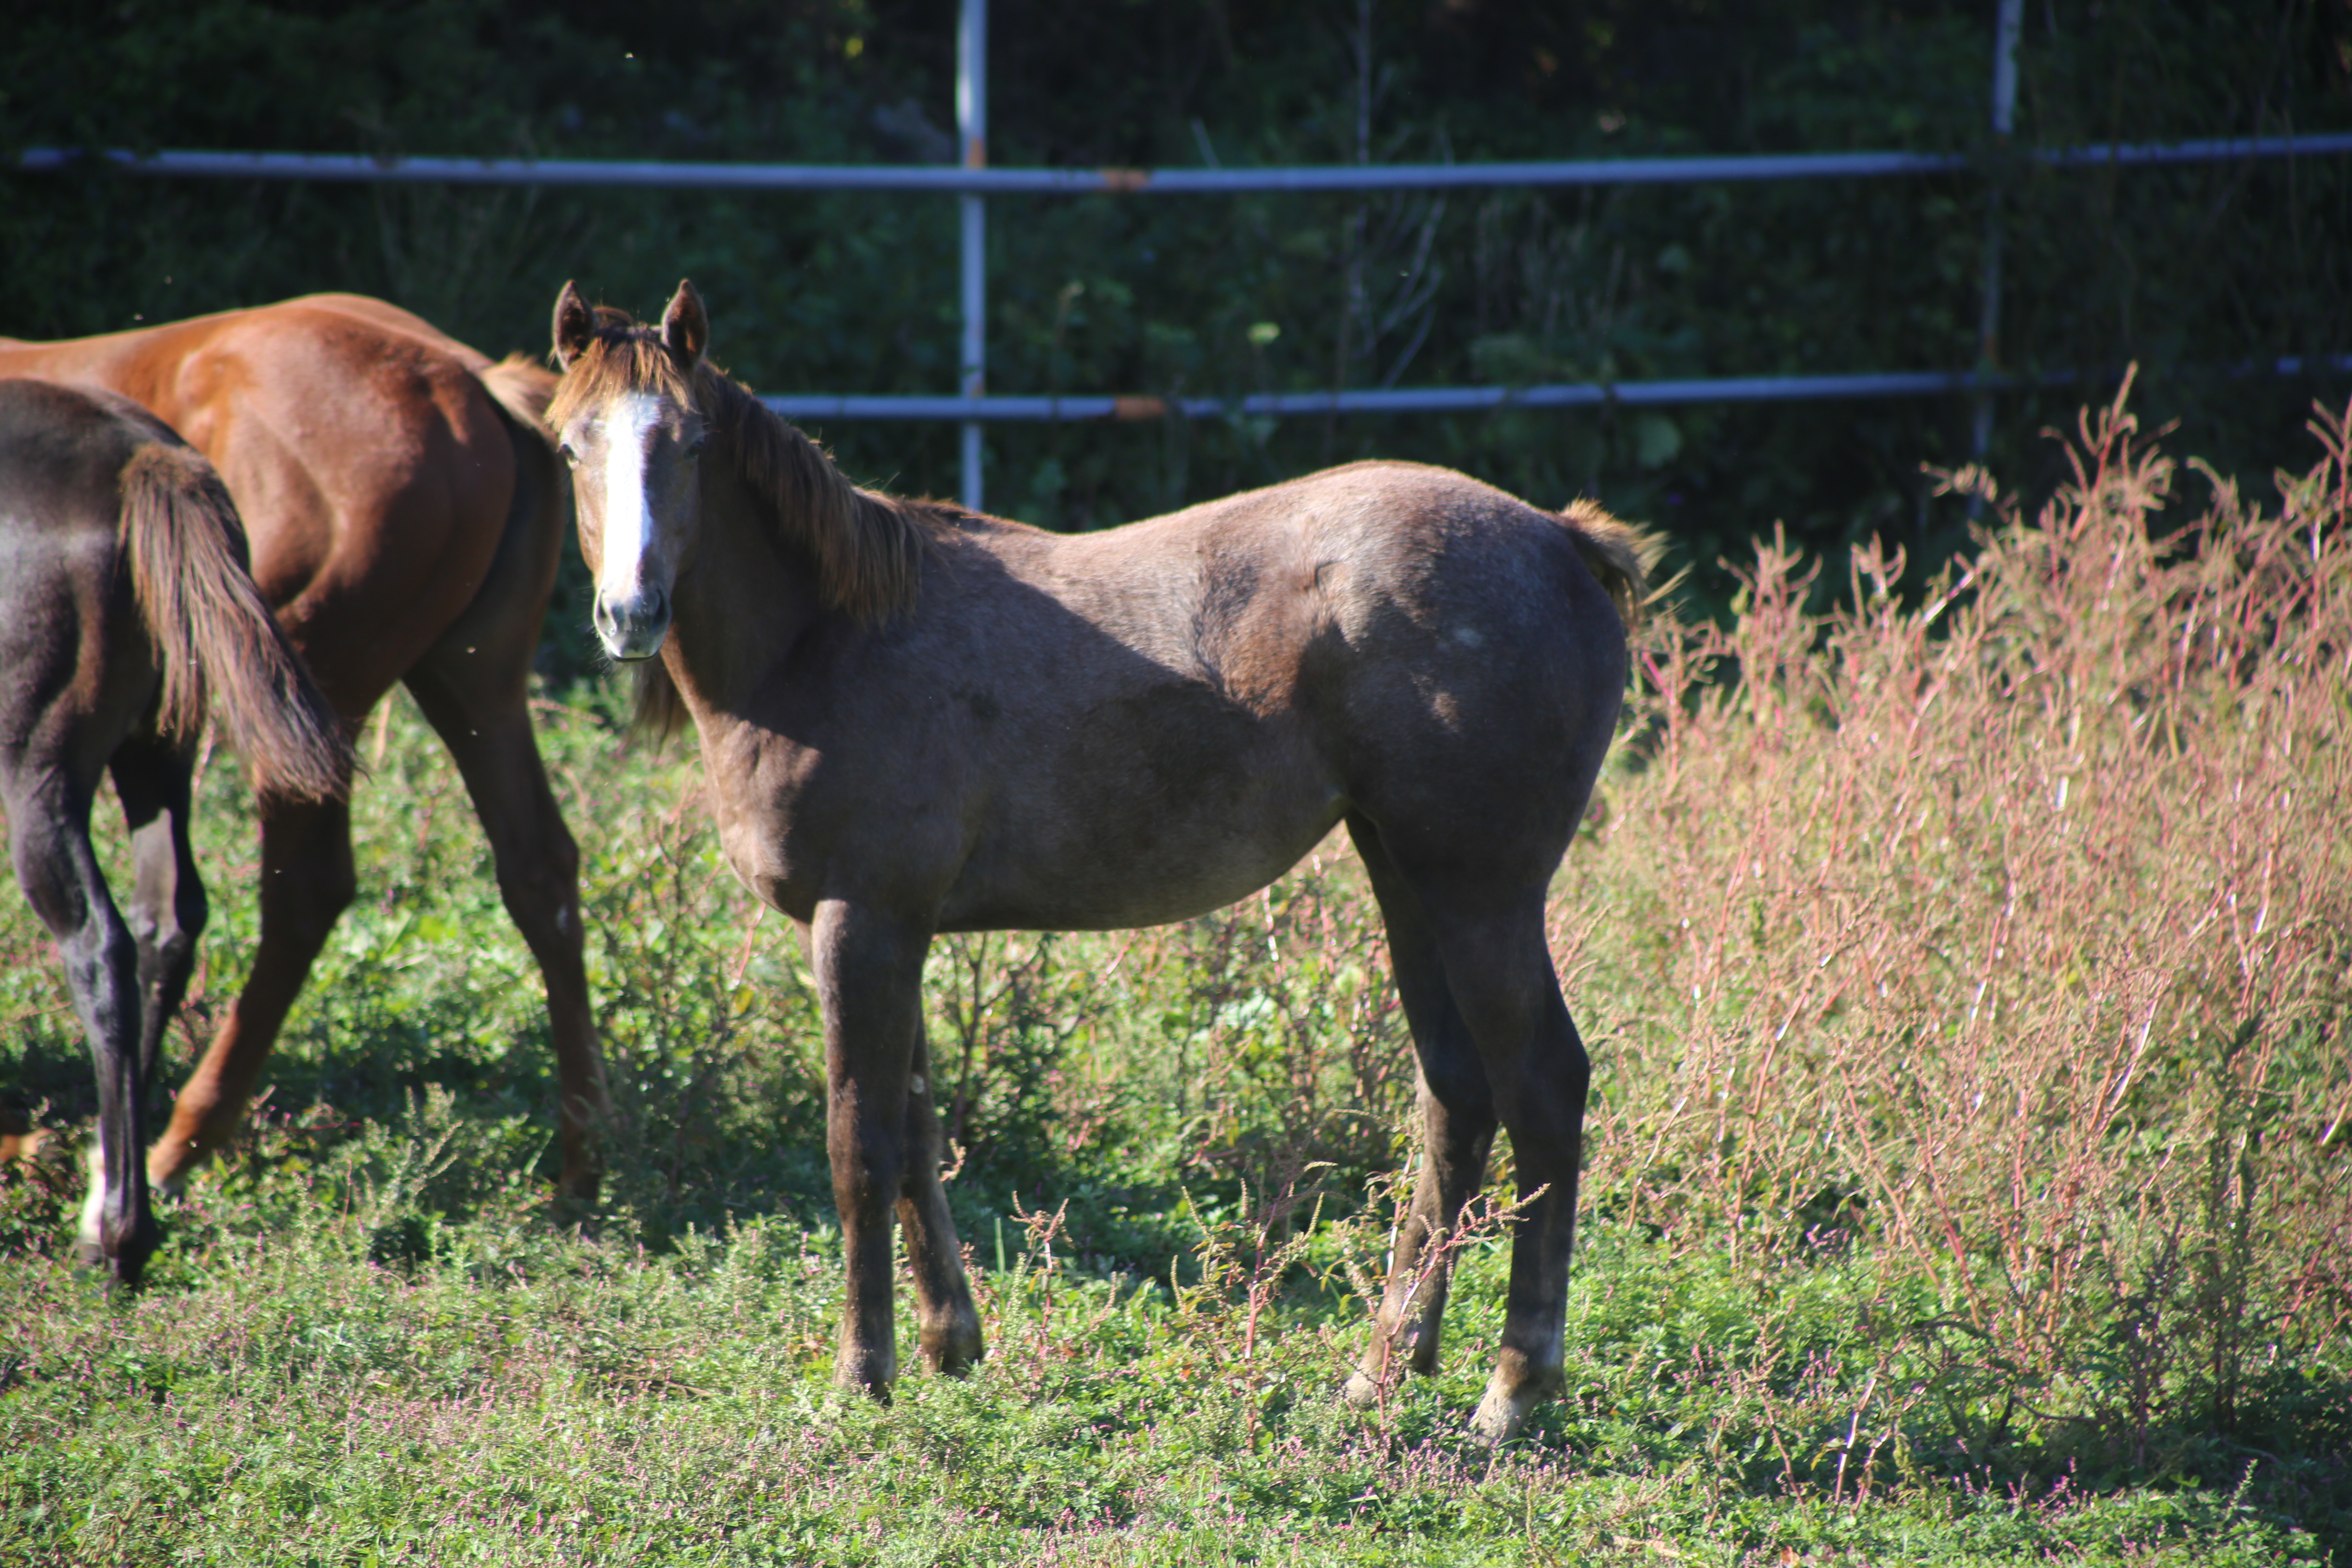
point(2192, 272)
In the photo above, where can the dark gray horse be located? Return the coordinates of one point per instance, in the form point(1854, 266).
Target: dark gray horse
point(915, 720)
point(125, 611)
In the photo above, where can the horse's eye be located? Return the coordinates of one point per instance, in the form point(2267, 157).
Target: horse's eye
point(694, 448)
point(569, 456)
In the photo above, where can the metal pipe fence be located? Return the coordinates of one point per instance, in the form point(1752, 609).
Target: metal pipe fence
point(948, 179)
point(972, 180)
point(1469, 399)
point(972, 127)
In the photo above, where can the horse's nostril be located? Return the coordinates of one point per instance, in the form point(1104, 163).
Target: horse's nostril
point(631, 626)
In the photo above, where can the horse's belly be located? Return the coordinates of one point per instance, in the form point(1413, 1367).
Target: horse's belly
point(1119, 866)
point(1147, 894)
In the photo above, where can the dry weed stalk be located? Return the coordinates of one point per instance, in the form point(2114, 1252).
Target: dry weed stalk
point(2011, 928)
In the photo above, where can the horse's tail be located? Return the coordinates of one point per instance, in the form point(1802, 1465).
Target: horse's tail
point(523, 388)
point(218, 643)
point(1621, 554)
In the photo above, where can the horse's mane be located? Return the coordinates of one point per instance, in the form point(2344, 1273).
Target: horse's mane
point(866, 548)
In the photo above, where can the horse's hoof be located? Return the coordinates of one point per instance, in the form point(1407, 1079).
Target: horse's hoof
point(1361, 1392)
point(114, 1272)
point(877, 1391)
point(954, 1351)
point(857, 1372)
point(1502, 1414)
point(582, 1187)
point(168, 1165)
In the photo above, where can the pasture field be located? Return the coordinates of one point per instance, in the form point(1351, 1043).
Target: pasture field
point(1970, 1169)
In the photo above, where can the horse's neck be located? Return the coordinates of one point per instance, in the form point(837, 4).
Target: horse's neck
point(742, 607)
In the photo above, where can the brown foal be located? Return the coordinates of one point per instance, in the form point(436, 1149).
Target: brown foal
point(914, 719)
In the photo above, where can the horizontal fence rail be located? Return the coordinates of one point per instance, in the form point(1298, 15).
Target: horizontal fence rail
point(945, 179)
point(1464, 399)
point(970, 181)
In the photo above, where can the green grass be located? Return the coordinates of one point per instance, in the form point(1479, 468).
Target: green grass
point(528, 1396)
point(1969, 1177)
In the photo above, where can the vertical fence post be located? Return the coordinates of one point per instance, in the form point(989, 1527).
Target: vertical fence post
point(2004, 117)
point(971, 127)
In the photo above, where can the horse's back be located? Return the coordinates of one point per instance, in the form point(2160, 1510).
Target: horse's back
point(1441, 642)
point(375, 467)
point(1172, 712)
point(1360, 545)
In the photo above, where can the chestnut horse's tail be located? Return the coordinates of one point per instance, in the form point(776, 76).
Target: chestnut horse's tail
point(523, 388)
point(1621, 554)
point(218, 643)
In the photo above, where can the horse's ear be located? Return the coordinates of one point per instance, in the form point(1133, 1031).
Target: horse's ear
point(575, 326)
point(685, 330)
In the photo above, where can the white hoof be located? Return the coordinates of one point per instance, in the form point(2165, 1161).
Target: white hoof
point(1501, 1415)
point(90, 1235)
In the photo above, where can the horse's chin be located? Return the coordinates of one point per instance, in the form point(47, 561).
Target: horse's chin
point(632, 646)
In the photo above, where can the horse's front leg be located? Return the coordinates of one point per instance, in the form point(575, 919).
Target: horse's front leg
point(869, 969)
point(950, 1327)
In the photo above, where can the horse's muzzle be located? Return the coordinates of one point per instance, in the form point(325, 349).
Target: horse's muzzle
point(633, 628)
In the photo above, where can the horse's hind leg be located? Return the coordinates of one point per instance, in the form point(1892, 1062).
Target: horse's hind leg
point(49, 837)
point(167, 907)
point(306, 884)
point(1457, 1112)
point(539, 878)
point(474, 685)
point(948, 1325)
point(1499, 968)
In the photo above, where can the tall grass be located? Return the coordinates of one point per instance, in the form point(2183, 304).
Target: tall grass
point(2005, 935)
point(1969, 1173)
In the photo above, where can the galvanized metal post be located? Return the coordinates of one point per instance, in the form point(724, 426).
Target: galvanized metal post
point(2004, 118)
point(971, 127)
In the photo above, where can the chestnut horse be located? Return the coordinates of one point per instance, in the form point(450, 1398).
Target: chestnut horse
point(125, 613)
point(405, 514)
point(917, 720)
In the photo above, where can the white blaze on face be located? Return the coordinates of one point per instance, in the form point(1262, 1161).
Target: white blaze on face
point(628, 526)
